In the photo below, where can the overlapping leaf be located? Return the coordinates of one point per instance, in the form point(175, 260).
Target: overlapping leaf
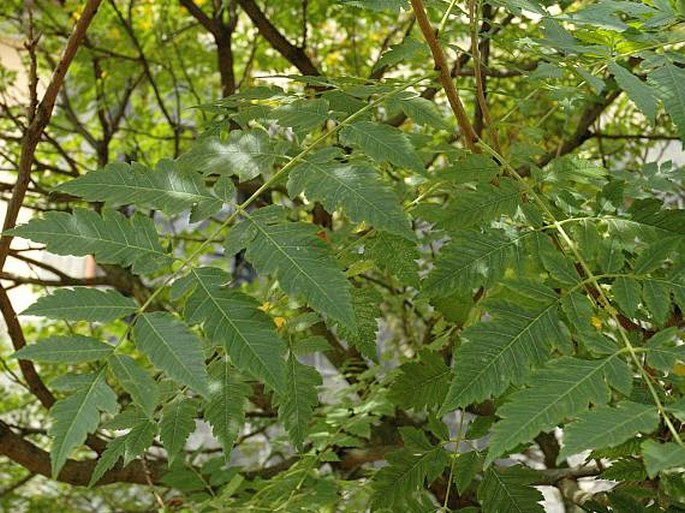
point(396, 485)
point(226, 405)
point(608, 427)
point(298, 259)
point(383, 143)
point(167, 188)
point(76, 416)
point(669, 82)
point(421, 383)
point(472, 259)
point(641, 94)
point(68, 349)
point(396, 256)
point(497, 353)
point(356, 187)
point(245, 153)
point(112, 238)
point(486, 203)
point(173, 349)
point(510, 490)
point(136, 381)
point(83, 304)
point(233, 319)
point(298, 400)
point(176, 425)
point(564, 388)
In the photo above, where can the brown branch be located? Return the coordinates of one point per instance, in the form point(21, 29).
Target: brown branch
point(293, 54)
point(37, 126)
point(37, 461)
point(222, 33)
point(470, 137)
point(28, 370)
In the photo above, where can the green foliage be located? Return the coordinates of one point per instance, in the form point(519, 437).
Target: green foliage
point(172, 348)
point(608, 427)
point(233, 319)
point(111, 238)
point(303, 264)
point(356, 188)
point(71, 349)
point(74, 417)
point(370, 313)
point(167, 188)
point(227, 402)
point(298, 399)
point(508, 490)
point(83, 304)
point(565, 388)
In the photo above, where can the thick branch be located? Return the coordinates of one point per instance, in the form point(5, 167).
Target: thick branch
point(295, 55)
point(37, 461)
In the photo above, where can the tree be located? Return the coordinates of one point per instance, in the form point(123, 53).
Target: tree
point(396, 256)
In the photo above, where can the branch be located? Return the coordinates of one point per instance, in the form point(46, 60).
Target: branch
point(40, 121)
point(293, 54)
point(37, 461)
point(446, 80)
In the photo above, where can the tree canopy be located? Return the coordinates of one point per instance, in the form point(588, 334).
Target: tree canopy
point(343, 256)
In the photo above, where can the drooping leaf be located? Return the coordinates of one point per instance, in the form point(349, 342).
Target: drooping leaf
point(396, 485)
point(414, 106)
point(627, 292)
point(111, 239)
point(226, 405)
point(510, 490)
point(565, 387)
point(74, 417)
point(176, 425)
point(245, 153)
point(233, 319)
point(466, 467)
point(486, 203)
point(167, 188)
point(136, 381)
point(608, 427)
point(83, 304)
point(662, 456)
point(112, 454)
point(300, 261)
point(471, 259)
point(172, 348)
point(641, 94)
point(669, 82)
point(382, 143)
point(68, 349)
point(138, 440)
point(664, 350)
point(421, 383)
point(298, 399)
point(395, 255)
point(356, 187)
point(366, 302)
point(496, 353)
point(657, 299)
point(303, 115)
